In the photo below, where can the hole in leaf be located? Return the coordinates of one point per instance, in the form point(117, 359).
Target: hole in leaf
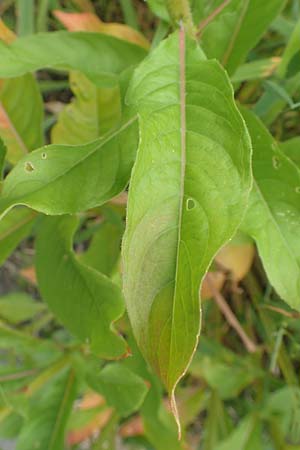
point(44, 155)
point(190, 204)
point(276, 162)
point(29, 167)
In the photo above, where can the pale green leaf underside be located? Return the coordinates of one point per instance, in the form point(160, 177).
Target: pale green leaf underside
point(188, 193)
point(60, 179)
point(99, 56)
point(273, 218)
point(86, 301)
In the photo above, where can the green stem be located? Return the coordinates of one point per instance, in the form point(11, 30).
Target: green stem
point(180, 12)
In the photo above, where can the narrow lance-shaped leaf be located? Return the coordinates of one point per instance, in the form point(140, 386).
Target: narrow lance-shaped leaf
point(49, 410)
point(232, 34)
point(60, 179)
point(86, 301)
point(273, 217)
point(188, 193)
point(107, 56)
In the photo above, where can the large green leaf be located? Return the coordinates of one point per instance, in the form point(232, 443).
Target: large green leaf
point(13, 228)
point(61, 179)
point(21, 115)
point(188, 192)
point(232, 34)
point(122, 388)
point(273, 217)
point(49, 410)
point(93, 112)
point(85, 300)
point(97, 55)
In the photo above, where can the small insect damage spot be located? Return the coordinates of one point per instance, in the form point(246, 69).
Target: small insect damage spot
point(29, 167)
point(190, 204)
point(276, 162)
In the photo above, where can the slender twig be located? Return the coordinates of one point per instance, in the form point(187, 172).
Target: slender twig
point(18, 375)
point(230, 317)
point(292, 315)
point(275, 353)
point(211, 17)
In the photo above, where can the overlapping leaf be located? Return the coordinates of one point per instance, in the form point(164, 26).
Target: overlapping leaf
point(232, 34)
point(88, 21)
point(273, 217)
point(188, 192)
point(106, 55)
point(85, 300)
point(61, 179)
point(93, 112)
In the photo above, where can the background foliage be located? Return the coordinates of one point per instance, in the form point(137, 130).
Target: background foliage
point(71, 374)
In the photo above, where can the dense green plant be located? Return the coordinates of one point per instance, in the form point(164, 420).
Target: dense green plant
point(193, 125)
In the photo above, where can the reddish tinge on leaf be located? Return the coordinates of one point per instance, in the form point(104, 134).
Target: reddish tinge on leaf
point(90, 22)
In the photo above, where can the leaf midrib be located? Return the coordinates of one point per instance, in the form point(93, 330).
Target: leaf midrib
point(182, 93)
point(235, 33)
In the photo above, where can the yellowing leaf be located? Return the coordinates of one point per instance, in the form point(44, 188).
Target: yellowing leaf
point(6, 35)
point(90, 22)
point(92, 113)
point(237, 259)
